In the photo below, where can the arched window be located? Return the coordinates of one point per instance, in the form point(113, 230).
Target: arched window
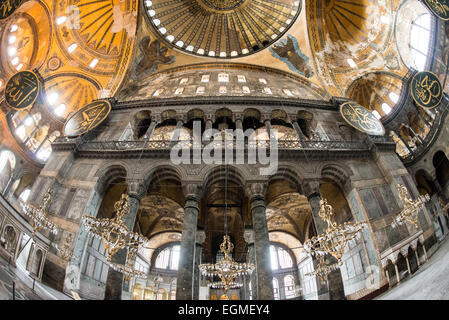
point(168, 258)
point(276, 289)
point(280, 258)
point(419, 40)
point(413, 32)
point(289, 286)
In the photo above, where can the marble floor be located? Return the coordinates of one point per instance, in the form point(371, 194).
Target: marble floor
point(430, 282)
point(24, 285)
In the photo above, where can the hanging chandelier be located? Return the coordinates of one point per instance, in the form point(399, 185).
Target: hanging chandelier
point(38, 215)
point(113, 232)
point(226, 269)
point(128, 269)
point(323, 270)
point(334, 240)
point(411, 208)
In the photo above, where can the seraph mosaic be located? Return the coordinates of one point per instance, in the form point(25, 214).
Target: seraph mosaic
point(152, 54)
point(288, 51)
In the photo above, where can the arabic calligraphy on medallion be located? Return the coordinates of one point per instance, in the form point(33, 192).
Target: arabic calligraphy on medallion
point(87, 118)
point(426, 90)
point(22, 90)
point(361, 119)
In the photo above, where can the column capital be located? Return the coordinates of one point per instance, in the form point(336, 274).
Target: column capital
point(312, 188)
point(136, 189)
point(256, 190)
point(200, 236)
point(249, 236)
point(192, 190)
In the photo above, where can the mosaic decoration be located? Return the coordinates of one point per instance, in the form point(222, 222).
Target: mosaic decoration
point(289, 52)
point(8, 7)
point(439, 7)
point(88, 118)
point(426, 90)
point(151, 57)
point(361, 119)
point(22, 90)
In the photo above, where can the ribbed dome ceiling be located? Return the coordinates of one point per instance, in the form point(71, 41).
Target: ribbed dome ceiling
point(222, 28)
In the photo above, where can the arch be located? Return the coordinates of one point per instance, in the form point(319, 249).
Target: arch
point(338, 173)
point(162, 172)
point(37, 262)
point(140, 123)
point(216, 174)
point(279, 114)
point(424, 182)
point(289, 173)
point(108, 175)
point(195, 114)
point(252, 113)
point(441, 164)
point(168, 115)
point(9, 238)
point(223, 113)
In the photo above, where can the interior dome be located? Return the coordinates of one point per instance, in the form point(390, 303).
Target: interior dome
point(222, 28)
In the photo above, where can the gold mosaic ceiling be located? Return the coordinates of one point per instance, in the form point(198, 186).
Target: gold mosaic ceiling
point(222, 28)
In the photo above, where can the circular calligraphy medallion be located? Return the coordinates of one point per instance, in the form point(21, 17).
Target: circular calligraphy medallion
point(22, 90)
point(7, 7)
point(426, 90)
point(361, 119)
point(87, 118)
point(439, 7)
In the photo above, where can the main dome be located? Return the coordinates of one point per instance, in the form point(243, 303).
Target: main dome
point(221, 28)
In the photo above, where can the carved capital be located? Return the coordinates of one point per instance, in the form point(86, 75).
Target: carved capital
point(249, 236)
point(192, 190)
point(256, 189)
point(311, 188)
point(200, 237)
point(137, 189)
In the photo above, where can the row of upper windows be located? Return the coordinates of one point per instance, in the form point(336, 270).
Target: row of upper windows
point(222, 77)
point(222, 90)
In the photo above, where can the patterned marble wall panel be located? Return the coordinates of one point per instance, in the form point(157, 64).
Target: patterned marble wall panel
point(371, 207)
point(382, 240)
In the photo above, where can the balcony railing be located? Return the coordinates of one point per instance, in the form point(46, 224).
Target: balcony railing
point(168, 145)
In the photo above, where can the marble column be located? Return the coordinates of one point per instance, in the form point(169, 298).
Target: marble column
point(150, 130)
point(200, 237)
point(268, 127)
point(264, 291)
point(417, 258)
point(299, 132)
point(425, 252)
point(115, 284)
point(249, 239)
point(387, 275)
point(398, 276)
point(184, 285)
point(334, 290)
point(177, 132)
point(312, 191)
point(408, 266)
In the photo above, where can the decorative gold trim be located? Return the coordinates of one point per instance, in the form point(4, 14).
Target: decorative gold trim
point(413, 96)
point(426, 2)
point(38, 90)
point(82, 110)
point(352, 125)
